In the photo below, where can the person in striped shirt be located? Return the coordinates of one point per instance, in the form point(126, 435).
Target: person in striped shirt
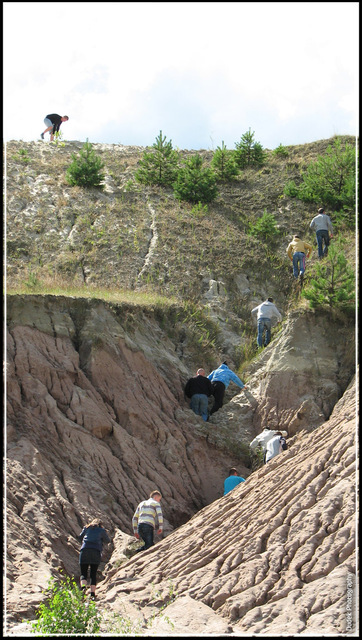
point(147, 516)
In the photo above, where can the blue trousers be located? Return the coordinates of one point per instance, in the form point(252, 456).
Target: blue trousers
point(264, 324)
point(322, 239)
point(199, 404)
point(298, 263)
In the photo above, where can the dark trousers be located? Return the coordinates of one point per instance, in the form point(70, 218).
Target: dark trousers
point(93, 572)
point(146, 533)
point(218, 391)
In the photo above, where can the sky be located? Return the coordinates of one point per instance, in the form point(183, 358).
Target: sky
point(202, 72)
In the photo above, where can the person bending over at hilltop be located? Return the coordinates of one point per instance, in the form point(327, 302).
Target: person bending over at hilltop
point(199, 388)
point(296, 251)
point(232, 481)
point(93, 536)
point(145, 518)
point(266, 315)
point(220, 379)
point(53, 122)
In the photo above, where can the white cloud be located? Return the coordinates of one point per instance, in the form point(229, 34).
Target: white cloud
point(200, 71)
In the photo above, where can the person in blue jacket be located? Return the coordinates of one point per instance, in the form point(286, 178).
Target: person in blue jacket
point(92, 536)
point(220, 380)
point(232, 480)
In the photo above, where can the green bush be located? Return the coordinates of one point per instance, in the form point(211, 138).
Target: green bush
point(248, 152)
point(224, 164)
point(66, 610)
point(265, 227)
point(332, 281)
point(194, 183)
point(281, 151)
point(158, 166)
point(86, 168)
point(330, 180)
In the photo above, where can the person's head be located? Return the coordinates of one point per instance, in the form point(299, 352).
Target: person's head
point(270, 299)
point(65, 118)
point(278, 433)
point(156, 495)
point(320, 210)
point(200, 372)
point(233, 472)
point(297, 237)
point(225, 363)
point(96, 522)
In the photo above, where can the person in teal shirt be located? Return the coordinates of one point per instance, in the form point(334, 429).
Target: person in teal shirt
point(232, 481)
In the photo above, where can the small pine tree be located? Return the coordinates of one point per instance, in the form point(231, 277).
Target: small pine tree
point(332, 281)
point(224, 164)
point(331, 179)
point(195, 183)
point(160, 165)
point(265, 227)
point(249, 153)
point(86, 168)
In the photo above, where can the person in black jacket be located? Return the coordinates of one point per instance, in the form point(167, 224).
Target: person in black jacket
point(92, 536)
point(199, 388)
point(53, 122)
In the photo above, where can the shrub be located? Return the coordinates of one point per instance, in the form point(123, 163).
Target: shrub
point(265, 226)
point(249, 153)
point(86, 168)
point(281, 151)
point(331, 179)
point(332, 281)
point(195, 183)
point(66, 610)
point(224, 164)
point(158, 166)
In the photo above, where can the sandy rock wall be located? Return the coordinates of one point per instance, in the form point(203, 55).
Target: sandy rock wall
point(272, 557)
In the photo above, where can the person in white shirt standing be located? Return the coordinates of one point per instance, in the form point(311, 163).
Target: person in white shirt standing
point(267, 315)
point(323, 228)
point(275, 445)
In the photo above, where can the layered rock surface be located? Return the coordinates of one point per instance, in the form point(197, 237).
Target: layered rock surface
point(271, 557)
point(96, 420)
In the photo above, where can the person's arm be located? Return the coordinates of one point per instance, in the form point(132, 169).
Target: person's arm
point(289, 252)
point(159, 519)
point(105, 536)
point(309, 248)
point(135, 522)
point(237, 380)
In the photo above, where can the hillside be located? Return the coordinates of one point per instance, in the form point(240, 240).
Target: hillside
point(96, 416)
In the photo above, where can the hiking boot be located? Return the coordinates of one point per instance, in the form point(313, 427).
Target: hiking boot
point(93, 596)
point(42, 136)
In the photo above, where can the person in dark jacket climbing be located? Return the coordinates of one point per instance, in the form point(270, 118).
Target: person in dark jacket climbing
point(92, 536)
point(199, 388)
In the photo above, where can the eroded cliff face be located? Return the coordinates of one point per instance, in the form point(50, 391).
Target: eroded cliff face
point(97, 419)
point(272, 557)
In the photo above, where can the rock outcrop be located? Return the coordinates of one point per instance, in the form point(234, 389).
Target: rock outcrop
point(97, 419)
point(272, 557)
